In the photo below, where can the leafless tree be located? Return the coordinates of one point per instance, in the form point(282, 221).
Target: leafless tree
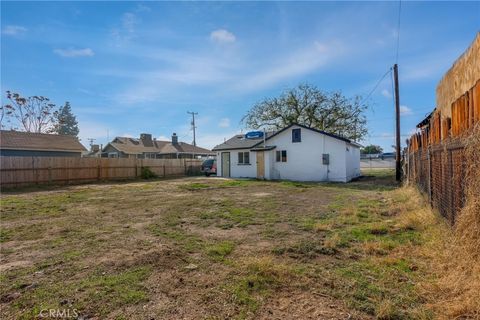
point(32, 114)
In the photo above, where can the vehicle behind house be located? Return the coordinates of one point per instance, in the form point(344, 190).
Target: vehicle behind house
point(209, 167)
point(388, 155)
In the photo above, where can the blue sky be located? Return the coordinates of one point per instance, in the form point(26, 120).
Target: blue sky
point(132, 67)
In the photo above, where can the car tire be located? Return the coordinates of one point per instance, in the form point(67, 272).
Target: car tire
point(207, 174)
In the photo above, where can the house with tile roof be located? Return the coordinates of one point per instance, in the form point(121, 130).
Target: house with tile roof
point(147, 148)
point(295, 152)
point(30, 144)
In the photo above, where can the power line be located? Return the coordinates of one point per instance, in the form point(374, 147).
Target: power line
point(376, 86)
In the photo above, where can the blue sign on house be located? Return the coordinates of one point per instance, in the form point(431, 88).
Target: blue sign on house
point(254, 135)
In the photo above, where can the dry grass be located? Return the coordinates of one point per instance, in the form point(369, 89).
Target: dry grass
point(214, 248)
point(455, 293)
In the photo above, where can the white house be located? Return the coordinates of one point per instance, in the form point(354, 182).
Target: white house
point(293, 153)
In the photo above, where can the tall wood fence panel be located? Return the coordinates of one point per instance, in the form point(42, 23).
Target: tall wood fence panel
point(435, 156)
point(439, 171)
point(22, 171)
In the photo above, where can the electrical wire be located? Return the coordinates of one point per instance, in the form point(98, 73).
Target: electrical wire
point(376, 86)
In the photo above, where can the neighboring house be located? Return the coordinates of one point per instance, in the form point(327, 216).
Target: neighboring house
point(95, 152)
point(148, 148)
point(293, 153)
point(29, 144)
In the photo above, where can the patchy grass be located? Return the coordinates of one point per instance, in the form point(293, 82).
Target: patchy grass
point(194, 186)
point(220, 250)
point(166, 249)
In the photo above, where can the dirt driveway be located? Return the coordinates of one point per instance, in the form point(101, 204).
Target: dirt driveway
point(199, 248)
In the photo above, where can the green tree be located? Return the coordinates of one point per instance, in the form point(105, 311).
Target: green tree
point(65, 121)
point(371, 149)
point(311, 107)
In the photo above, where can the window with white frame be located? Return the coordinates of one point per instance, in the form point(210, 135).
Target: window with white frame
point(244, 157)
point(281, 156)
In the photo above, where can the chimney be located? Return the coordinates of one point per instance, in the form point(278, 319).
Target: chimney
point(146, 139)
point(174, 138)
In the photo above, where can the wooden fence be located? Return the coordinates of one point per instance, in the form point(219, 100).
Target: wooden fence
point(22, 171)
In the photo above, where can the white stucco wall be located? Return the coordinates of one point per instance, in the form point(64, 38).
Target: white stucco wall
point(353, 161)
point(238, 170)
point(304, 159)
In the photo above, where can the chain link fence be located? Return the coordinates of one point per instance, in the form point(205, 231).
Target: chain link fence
point(439, 172)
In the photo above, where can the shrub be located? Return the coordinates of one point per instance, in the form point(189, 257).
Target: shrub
point(147, 173)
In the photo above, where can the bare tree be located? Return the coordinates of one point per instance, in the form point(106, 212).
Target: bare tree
point(32, 114)
point(311, 107)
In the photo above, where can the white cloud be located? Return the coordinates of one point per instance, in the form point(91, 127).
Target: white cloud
point(210, 140)
point(236, 71)
point(73, 53)
point(222, 36)
point(297, 63)
point(127, 29)
point(164, 138)
point(224, 123)
point(386, 93)
point(142, 8)
point(129, 21)
point(12, 30)
point(404, 110)
point(127, 135)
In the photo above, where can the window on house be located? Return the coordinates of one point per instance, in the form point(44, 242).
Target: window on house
point(244, 157)
point(296, 135)
point(282, 156)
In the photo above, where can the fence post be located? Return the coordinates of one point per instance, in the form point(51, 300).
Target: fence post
point(453, 183)
point(136, 168)
point(430, 189)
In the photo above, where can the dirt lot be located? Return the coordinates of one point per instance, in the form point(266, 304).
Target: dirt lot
point(199, 248)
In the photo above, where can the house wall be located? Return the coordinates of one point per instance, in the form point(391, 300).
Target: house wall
point(304, 159)
point(34, 153)
point(238, 170)
point(110, 149)
point(352, 161)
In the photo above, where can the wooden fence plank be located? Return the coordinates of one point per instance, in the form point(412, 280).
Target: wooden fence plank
point(20, 171)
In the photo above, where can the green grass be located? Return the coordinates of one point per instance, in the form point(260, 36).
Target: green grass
point(194, 186)
point(297, 184)
point(236, 183)
point(220, 250)
point(98, 294)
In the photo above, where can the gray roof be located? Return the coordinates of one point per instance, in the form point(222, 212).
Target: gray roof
point(139, 146)
point(18, 140)
point(240, 142)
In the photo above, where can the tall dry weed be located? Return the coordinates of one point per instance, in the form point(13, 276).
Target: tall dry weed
point(455, 293)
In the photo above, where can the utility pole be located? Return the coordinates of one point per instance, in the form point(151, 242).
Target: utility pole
point(398, 167)
point(193, 125)
point(91, 140)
